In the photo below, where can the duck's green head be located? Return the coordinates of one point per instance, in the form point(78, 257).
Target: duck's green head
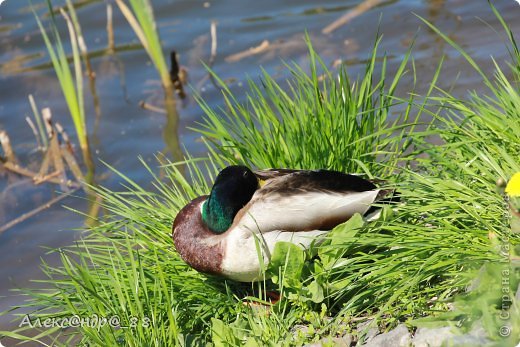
point(233, 188)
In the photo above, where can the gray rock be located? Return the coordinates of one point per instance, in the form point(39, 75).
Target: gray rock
point(304, 329)
point(398, 337)
point(371, 333)
point(425, 337)
point(432, 337)
point(343, 341)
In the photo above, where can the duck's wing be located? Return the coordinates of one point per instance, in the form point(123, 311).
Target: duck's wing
point(295, 206)
point(304, 200)
point(268, 174)
point(294, 182)
point(316, 179)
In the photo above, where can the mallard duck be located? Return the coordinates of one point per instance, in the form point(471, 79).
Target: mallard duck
point(247, 212)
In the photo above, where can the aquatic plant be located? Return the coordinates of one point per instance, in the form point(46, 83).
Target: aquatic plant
point(71, 85)
point(142, 21)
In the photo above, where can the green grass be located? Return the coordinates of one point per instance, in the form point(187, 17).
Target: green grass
point(71, 83)
point(408, 266)
point(316, 120)
point(142, 21)
point(41, 136)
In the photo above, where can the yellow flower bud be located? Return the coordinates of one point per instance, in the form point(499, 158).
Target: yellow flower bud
point(513, 186)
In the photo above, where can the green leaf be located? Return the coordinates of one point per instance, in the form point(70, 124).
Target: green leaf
point(344, 233)
point(316, 291)
point(347, 230)
point(287, 262)
point(222, 334)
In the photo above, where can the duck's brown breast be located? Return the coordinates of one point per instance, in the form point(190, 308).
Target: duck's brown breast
point(197, 245)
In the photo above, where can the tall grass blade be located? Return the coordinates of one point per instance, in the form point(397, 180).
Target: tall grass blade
point(72, 87)
point(142, 20)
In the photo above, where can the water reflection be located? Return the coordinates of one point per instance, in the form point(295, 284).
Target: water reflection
point(437, 11)
point(171, 129)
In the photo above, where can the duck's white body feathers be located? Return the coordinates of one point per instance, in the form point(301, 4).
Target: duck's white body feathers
point(298, 218)
point(293, 206)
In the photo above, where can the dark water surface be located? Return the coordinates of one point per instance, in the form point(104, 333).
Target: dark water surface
point(124, 130)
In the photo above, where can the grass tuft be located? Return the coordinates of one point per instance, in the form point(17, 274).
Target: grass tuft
point(317, 120)
point(142, 21)
point(71, 86)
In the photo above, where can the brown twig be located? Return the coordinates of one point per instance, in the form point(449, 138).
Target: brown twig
point(249, 52)
point(213, 31)
point(213, 55)
point(65, 137)
point(28, 173)
point(151, 107)
point(347, 17)
point(110, 29)
point(47, 120)
point(6, 146)
point(54, 148)
point(35, 211)
point(48, 177)
point(73, 165)
point(44, 168)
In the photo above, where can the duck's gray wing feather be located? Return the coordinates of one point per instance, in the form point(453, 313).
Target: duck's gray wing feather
point(293, 182)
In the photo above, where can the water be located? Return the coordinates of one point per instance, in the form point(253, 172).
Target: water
point(124, 130)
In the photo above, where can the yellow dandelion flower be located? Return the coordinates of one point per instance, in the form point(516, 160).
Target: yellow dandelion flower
point(513, 186)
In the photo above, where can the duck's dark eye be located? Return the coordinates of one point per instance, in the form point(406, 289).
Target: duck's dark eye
point(245, 174)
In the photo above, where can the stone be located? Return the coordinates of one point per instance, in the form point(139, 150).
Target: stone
point(370, 334)
point(432, 337)
point(343, 341)
point(426, 337)
point(300, 328)
point(398, 337)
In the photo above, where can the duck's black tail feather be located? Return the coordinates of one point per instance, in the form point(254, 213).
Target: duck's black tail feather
point(384, 197)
